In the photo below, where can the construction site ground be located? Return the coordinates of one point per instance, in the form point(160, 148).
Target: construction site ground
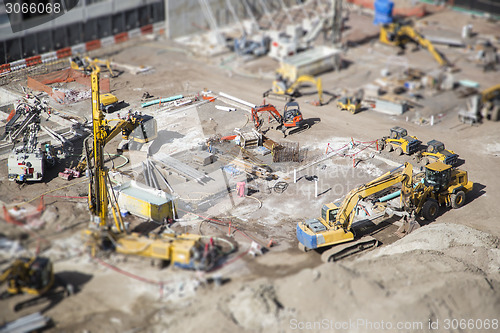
point(448, 269)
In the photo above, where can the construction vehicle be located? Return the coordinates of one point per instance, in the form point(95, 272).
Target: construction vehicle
point(291, 119)
point(27, 162)
point(485, 105)
point(257, 46)
point(184, 250)
point(399, 34)
point(108, 102)
point(351, 103)
point(86, 64)
point(334, 225)
point(442, 185)
point(436, 152)
point(33, 276)
point(284, 88)
point(400, 142)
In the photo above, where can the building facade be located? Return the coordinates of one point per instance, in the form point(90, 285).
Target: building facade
point(87, 21)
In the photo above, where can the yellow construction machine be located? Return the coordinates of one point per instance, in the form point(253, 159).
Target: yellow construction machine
point(107, 101)
point(183, 250)
point(398, 34)
point(282, 87)
point(334, 225)
point(441, 185)
point(86, 64)
point(351, 103)
point(33, 276)
point(400, 142)
point(436, 151)
point(485, 105)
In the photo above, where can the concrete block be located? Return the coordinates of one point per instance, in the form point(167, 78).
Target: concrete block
point(203, 158)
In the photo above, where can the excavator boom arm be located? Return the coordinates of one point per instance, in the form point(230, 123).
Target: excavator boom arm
point(269, 108)
point(410, 32)
point(345, 215)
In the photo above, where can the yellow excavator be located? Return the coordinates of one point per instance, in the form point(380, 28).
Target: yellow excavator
point(33, 276)
point(398, 34)
point(441, 185)
point(284, 88)
point(86, 64)
point(334, 225)
point(185, 250)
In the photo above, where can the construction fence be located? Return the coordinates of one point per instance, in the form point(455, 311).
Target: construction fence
point(42, 82)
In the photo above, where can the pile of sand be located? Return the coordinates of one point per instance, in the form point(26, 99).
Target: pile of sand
point(439, 272)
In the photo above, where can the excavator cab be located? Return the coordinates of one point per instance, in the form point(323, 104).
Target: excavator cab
point(146, 131)
point(33, 276)
point(78, 63)
point(292, 115)
point(437, 175)
point(329, 213)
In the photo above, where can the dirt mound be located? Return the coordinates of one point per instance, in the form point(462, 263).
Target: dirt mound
point(439, 272)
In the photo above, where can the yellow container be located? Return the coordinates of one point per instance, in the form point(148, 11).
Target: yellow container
point(145, 201)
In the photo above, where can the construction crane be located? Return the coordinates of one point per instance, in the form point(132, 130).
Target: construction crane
point(184, 250)
point(284, 88)
point(398, 34)
point(291, 119)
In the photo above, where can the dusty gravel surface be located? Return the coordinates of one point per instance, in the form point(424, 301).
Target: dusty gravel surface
point(448, 269)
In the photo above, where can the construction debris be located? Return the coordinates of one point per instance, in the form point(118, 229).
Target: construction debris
point(29, 323)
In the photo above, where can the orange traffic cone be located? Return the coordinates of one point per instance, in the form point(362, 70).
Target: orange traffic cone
point(41, 205)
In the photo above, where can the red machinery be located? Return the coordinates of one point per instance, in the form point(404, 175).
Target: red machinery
point(292, 117)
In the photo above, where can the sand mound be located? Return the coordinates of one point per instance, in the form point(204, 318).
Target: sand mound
point(439, 272)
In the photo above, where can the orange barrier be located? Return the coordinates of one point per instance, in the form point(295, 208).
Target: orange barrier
point(41, 82)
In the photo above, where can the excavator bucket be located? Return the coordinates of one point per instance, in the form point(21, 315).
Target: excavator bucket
point(409, 225)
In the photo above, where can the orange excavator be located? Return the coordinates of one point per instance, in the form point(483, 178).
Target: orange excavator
point(292, 117)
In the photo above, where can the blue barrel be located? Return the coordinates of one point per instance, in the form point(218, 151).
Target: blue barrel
point(383, 11)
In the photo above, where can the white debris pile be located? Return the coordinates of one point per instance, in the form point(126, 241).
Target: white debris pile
point(73, 96)
point(65, 248)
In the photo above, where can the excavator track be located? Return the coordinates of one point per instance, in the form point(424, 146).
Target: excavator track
point(339, 252)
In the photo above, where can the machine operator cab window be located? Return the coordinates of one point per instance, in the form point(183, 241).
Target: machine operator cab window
point(344, 100)
point(291, 111)
point(438, 175)
point(435, 146)
point(398, 132)
point(329, 214)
